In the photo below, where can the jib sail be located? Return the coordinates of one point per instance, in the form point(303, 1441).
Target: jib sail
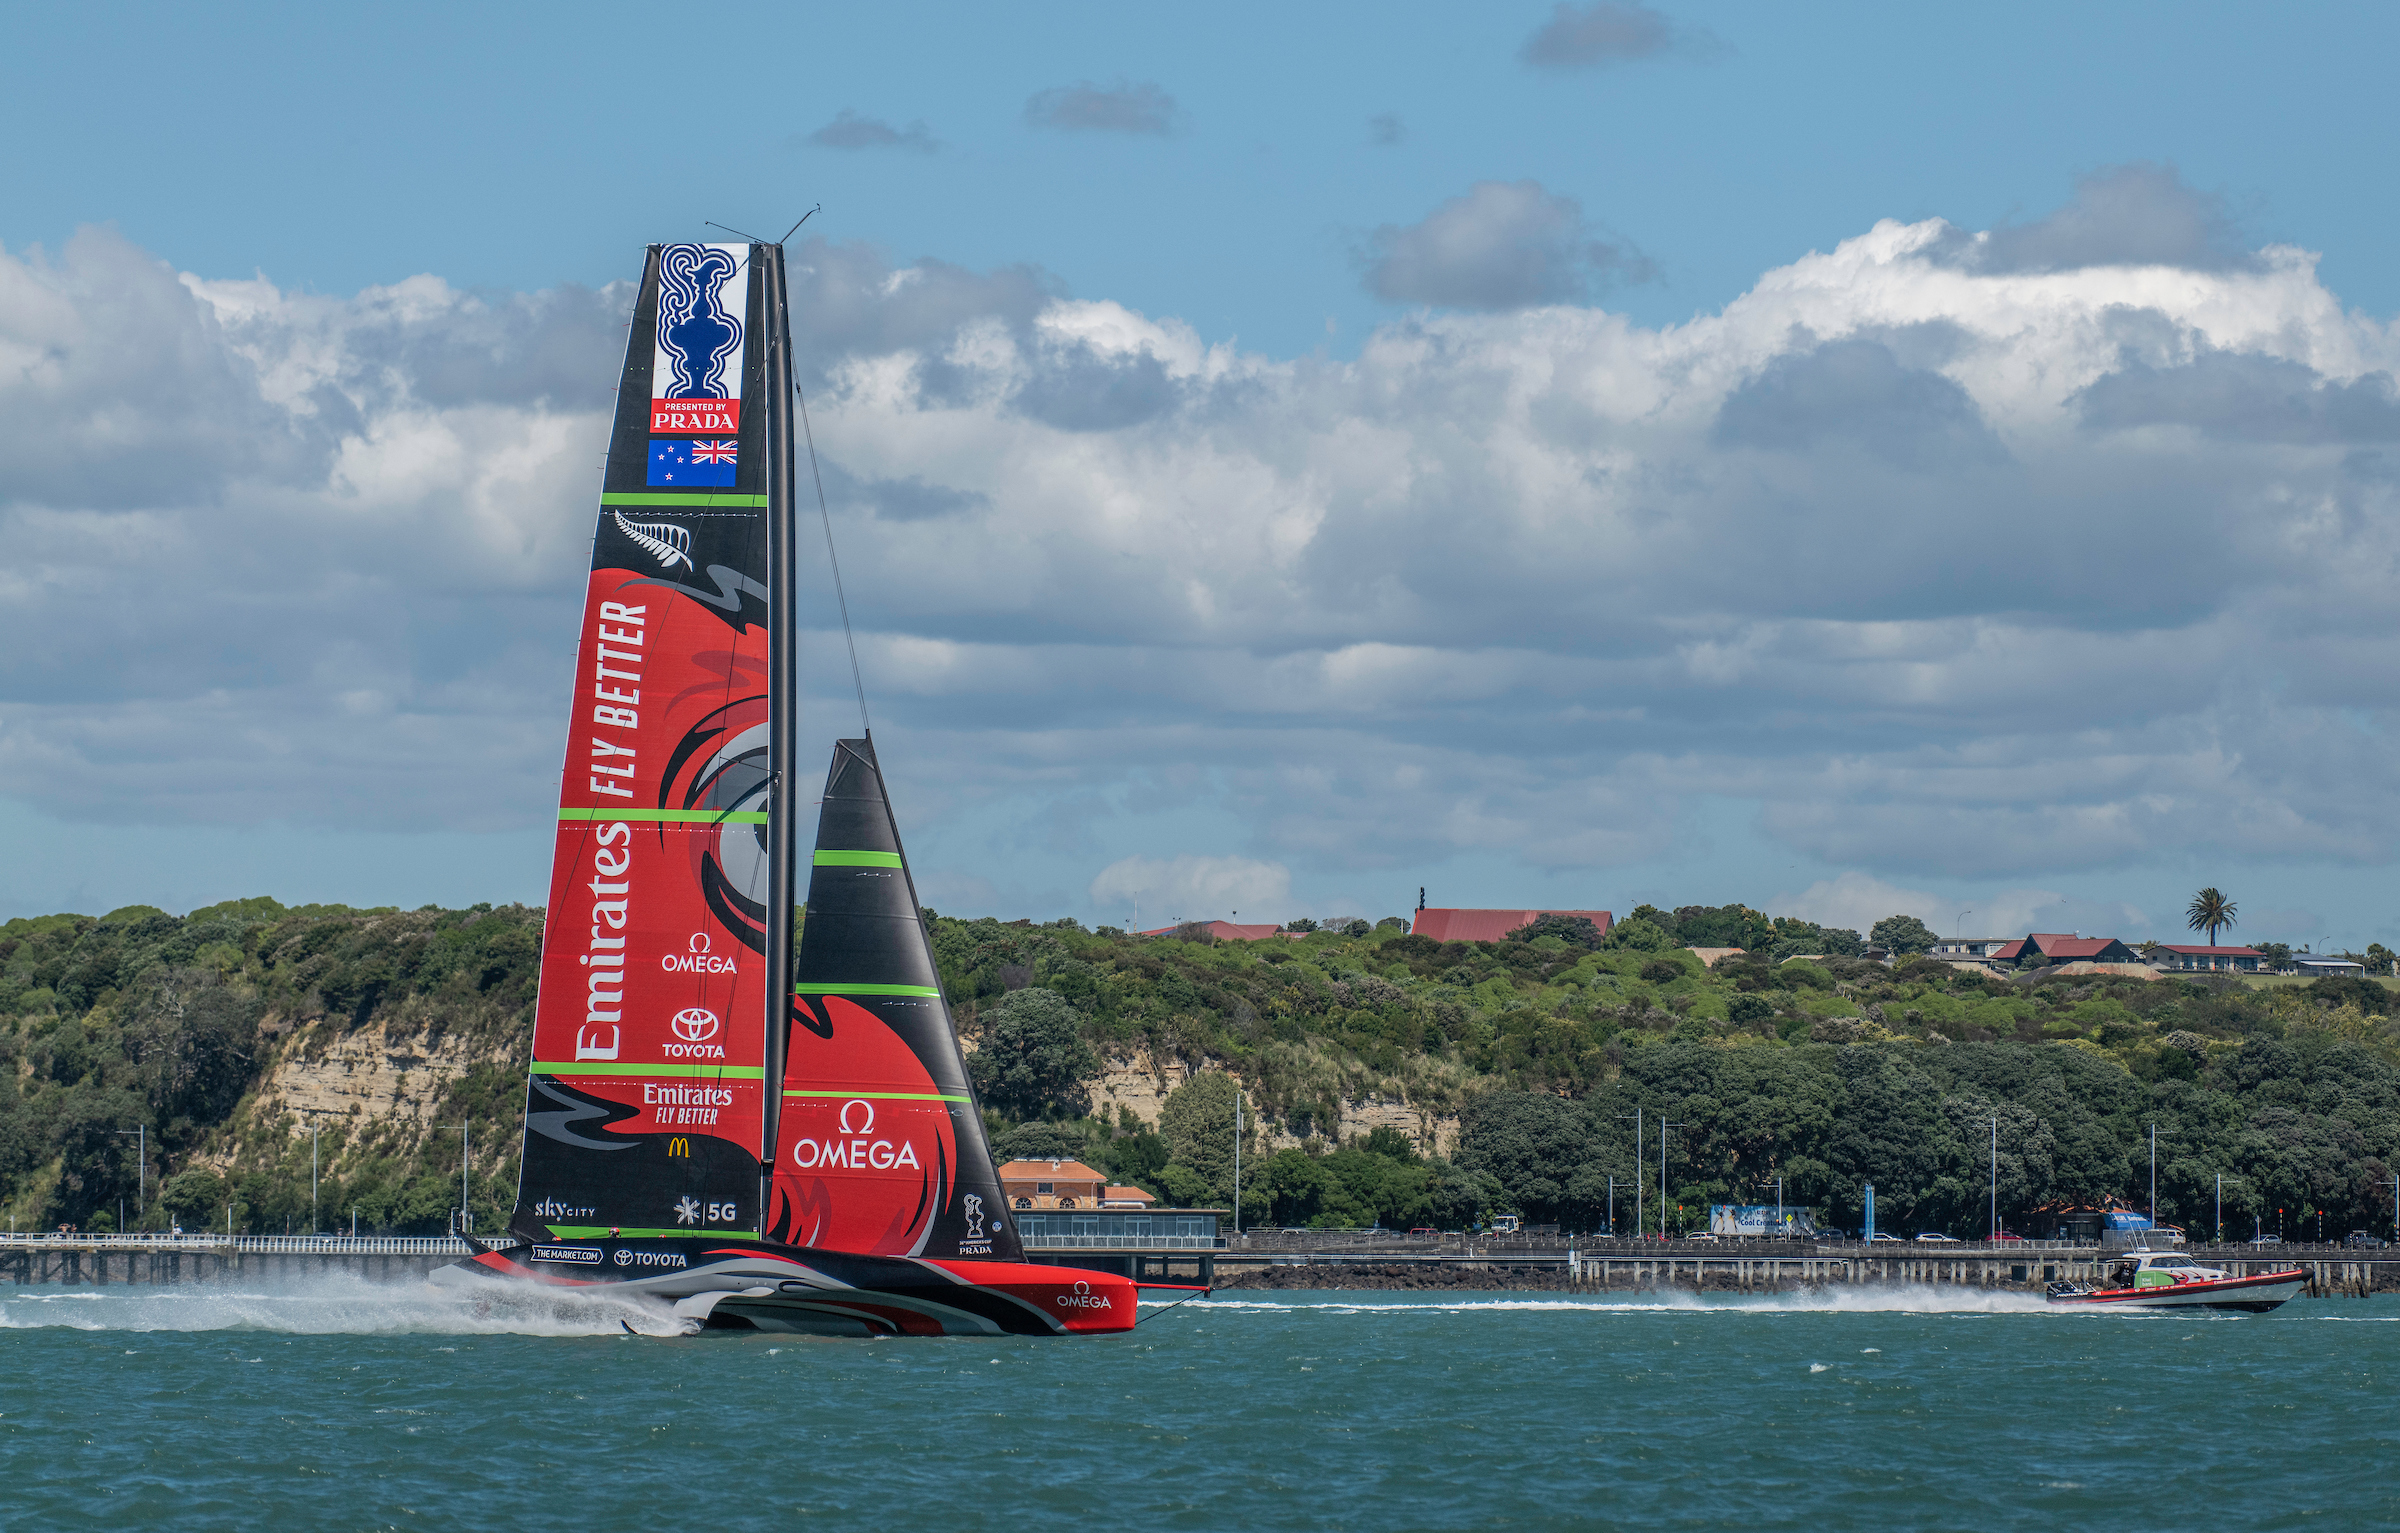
point(646, 1108)
point(881, 1149)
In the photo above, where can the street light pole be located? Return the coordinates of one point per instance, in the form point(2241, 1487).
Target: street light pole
point(1663, 1126)
point(141, 1170)
point(1995, 1177)
point(1237, 1156)
point(1636, 1116)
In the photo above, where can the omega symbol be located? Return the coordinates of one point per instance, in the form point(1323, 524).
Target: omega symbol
point(699, 942)
point(865, 1107)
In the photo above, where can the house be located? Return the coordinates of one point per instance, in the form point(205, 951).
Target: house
point(1052, 1184)
point(2066, 947)
point(2177, 956)
point(2313, 966)
point(1492, 925)
point(1225, 931)
point(1952, 948)
point(1125, 1197)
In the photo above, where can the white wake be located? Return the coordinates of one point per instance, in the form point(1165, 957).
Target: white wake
point(334, 1305)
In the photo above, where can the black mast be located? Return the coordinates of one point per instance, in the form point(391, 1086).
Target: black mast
point(783, 704)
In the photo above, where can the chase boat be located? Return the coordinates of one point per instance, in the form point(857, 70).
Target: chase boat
point(2145, 1279)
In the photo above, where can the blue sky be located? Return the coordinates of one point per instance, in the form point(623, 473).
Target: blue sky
point(1747, 627)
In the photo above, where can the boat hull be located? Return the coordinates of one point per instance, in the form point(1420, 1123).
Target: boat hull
point(759, 1285)
point(2254, 1295)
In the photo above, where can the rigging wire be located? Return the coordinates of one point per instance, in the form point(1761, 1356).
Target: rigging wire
point(857, 680)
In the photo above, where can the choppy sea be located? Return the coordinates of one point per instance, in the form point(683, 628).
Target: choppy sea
point(342, 1405)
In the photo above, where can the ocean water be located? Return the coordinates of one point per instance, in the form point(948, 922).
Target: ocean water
point(341, 1405)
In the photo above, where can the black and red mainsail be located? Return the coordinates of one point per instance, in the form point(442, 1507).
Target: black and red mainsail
point(648, 1103)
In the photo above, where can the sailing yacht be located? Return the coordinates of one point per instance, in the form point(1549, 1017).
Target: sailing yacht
point(762, 1138)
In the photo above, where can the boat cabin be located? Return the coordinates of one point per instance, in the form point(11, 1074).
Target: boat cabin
point(2157, 1269)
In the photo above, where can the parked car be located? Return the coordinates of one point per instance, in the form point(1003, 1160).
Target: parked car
point(1700, 1235)
point(1932, 1238)
point(2268, 1240)
point(2362, 1238)
point(1424, 1229)
point(2005, 1235)
point(1885, 1240)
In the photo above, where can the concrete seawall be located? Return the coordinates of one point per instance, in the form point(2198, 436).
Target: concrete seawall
point(1777, 1267)
point(99, 1261)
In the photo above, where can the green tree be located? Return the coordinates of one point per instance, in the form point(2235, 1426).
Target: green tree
point(1575, 931)
point(1196, 1121)
point(1902, 935)
point(1636, 935)
point(2208, 911)
point(1033, 1060)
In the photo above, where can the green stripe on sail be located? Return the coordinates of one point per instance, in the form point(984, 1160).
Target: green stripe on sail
point(881, 1096)
point(704, 502)
point(858, 859)
point(603, 1231)
point(675, 1072)
point(671, 816)
point(924, 990)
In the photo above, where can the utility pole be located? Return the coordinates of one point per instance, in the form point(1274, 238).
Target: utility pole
point(1663, 1126)
point(141, 1168)
point(1995, 1178)
point(312, 1175)
point(2154, 1176)
point(1237, 1160)
point(466, 1210)
point(1612, 1206)
point(1636, 1116)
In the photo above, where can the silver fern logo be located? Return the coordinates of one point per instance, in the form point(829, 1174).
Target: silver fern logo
point(669, 544)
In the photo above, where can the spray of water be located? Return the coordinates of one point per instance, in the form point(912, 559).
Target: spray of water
point(337, 1305)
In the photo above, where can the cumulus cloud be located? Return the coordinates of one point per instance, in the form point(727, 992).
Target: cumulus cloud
point(1503, 245)
point(854, 130)
point(2127, 215)
point(1125, 107)
point(1608, 32)
point(1961, 574)
point(1190, 888)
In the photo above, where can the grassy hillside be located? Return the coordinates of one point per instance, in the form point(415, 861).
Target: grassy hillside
point(215, 1029)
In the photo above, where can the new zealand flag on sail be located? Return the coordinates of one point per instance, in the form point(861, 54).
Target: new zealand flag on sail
point(692, 465)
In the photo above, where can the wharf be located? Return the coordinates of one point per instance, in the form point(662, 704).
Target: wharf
point(96, 1260)
point(1753, 1266)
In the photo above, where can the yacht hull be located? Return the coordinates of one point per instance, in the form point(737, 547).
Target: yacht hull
point(759, 1285)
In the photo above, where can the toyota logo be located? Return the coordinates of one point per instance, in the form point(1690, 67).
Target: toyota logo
point(864, 1127)
point(695, 1025)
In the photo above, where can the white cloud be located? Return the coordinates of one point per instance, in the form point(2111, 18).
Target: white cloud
point(1190, 888)
point(1978, 571)
point(1856, 901)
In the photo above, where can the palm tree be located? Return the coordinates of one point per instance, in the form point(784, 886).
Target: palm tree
point(2208, 911)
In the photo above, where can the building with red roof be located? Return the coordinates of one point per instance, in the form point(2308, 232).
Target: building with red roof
point(1225, 931)
point(1492, 925)
point(2173, 955)
point(2066, 947)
